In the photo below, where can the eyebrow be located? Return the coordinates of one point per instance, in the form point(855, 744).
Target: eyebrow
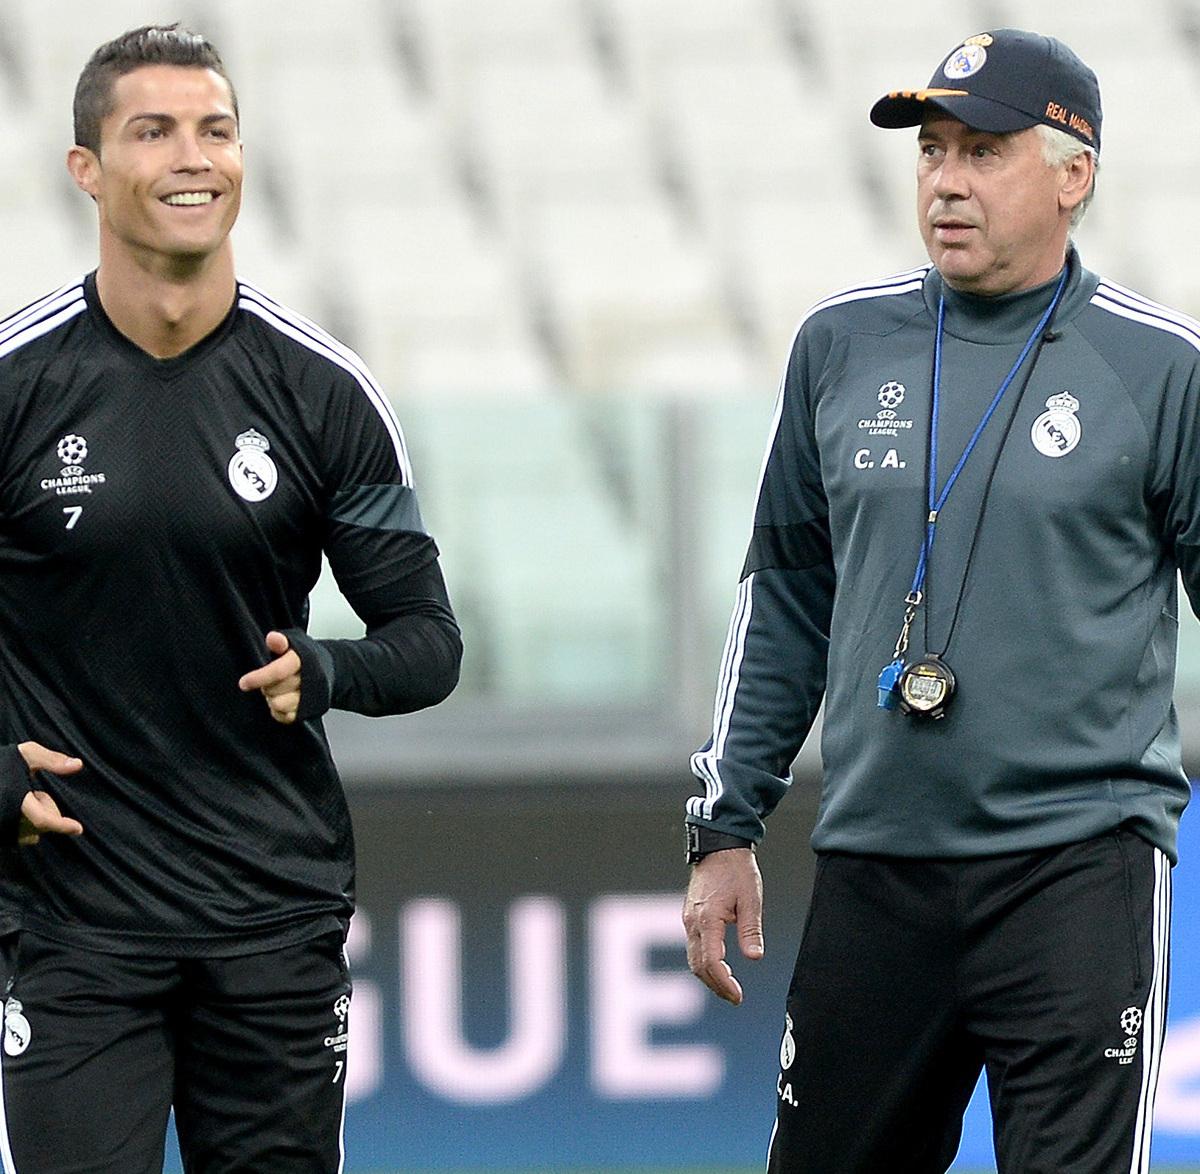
point(924, 135)
point(152, 116)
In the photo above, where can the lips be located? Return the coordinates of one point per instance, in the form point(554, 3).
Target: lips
point(952, 231)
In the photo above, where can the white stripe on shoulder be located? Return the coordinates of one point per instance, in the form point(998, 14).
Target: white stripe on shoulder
point(1123, 292)
point(910, 281)
point(56, 313)
point(1127, 304)
point(36, 309)
point(309, 335)
point(897, 283)
point(313, 328)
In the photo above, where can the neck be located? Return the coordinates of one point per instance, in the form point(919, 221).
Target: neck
point(998, 318)
point(165, 307)
point(1003, 281)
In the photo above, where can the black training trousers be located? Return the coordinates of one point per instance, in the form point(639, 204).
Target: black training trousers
point(1048, 969)
point(250, 1051)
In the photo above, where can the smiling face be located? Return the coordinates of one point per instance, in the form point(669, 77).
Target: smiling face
point(167, 179)
point(993, 214)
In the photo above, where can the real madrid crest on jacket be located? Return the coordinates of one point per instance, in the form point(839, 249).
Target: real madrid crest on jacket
point(203, 488)
point(1050, 589)
point(1057, 430)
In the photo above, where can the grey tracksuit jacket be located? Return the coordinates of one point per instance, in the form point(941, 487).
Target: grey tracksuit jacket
point(1062, 726)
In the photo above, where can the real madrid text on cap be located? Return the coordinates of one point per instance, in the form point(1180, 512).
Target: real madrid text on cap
point(1002, 81)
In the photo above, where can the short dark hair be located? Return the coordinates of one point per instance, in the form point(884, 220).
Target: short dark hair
point(149, 45)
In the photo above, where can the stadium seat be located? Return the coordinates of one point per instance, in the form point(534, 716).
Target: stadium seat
point(623, 277)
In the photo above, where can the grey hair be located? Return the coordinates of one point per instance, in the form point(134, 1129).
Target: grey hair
point(1058, 149)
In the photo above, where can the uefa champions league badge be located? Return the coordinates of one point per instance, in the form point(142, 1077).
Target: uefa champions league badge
point(252, 473)
point(968, 60)
point(338, 1041)
point(1131, 1024)
point(1057, 430)
point(73, 478)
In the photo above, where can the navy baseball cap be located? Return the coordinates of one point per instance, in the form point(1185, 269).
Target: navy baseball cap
point(1002, 81)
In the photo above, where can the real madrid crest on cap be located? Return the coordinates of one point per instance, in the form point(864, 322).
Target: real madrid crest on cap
point(971, 58)
point(1057, 430)
point(252, 473)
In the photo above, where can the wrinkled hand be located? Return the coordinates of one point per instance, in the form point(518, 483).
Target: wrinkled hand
point(39, 812)
point(278, 681)
point(725, 889)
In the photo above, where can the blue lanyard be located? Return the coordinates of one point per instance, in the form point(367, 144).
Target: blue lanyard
point(938, 500)
point(890, 679)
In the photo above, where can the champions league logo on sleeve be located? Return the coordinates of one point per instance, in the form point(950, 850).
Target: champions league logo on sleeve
point(252, 473)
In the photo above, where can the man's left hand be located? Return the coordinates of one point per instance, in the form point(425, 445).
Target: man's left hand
point(278, 681)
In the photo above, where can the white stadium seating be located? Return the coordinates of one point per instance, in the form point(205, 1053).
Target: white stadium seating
point(635, 196)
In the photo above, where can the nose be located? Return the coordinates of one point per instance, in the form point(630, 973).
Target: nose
point(191, 156)
point(950, 179)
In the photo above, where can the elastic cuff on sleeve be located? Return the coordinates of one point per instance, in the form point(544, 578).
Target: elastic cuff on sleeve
point(316, 674)
point(14, 786)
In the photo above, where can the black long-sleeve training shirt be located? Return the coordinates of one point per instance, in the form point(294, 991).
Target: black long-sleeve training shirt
point(157, 519)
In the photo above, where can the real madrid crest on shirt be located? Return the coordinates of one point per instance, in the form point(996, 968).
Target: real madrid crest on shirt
point(1057, 430)
point(252, 473)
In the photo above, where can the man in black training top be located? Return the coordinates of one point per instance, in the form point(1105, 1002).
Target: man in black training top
point(176, 451)
point(982, 478)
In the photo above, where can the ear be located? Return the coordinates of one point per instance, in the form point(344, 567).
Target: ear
point(1079, 173)
point(84, 166)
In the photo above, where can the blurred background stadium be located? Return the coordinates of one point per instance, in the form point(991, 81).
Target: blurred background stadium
point(572, 239)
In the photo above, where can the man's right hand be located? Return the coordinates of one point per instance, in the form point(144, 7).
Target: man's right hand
point(39, 812)
point(725, 889)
